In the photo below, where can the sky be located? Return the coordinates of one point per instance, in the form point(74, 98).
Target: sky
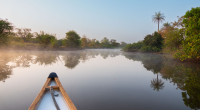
point(123, 20)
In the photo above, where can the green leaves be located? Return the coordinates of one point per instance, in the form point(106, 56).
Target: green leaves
point(151, 43)
point(192, 21)
point(46, 39)
point(173, 39)
point(5, 28)
point(134, 47)
point(191, 44)
point(73, 39)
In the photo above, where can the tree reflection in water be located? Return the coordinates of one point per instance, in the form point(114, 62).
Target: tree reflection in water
point(157, 84)
point(153, 63)
point(25, 58)
point(45, 58)
point(71, 60)
point(191, 95)
point(185, 75)
point(5, 72)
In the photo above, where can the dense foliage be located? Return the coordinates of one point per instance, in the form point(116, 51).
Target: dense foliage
point(25, 39)
point(46, 39)
point(180, 38)
point(151, 43)
point(134, 46)
point(104, 43)
point(72, 39)
point(5, 28)
point(191, 44)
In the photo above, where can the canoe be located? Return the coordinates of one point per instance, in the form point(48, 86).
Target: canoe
point(52, 96)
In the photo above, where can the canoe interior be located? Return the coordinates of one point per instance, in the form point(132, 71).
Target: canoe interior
point(46, 102)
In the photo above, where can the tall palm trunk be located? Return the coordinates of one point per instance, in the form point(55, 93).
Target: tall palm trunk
point(157, 18)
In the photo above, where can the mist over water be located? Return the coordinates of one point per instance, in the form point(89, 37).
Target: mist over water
point(101, 79)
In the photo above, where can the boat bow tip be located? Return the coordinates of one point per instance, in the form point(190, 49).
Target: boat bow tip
point(52, 75)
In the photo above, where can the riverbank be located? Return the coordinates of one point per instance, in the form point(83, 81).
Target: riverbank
point(167, 54)
point(38, 48)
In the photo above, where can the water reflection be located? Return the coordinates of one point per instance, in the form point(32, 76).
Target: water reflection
point(157, 84)
point(72, 59)
point(152, 62)
point(191, 96)
point(12, 59)
point(45, 58)
point(5, 72)
point(185, 76)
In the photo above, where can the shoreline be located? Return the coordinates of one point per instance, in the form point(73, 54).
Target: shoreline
point(165, 54)
point(77, 49)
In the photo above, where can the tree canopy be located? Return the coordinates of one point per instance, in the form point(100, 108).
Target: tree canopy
point(191, 44)
point(151, 43)
point(5, 28)
point(72, 39)
point(46, 39)
point(158, 17)
point(25, 34)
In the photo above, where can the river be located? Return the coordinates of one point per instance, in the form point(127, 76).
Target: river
point(101, 79)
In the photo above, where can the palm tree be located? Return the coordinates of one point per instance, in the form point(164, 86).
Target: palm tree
point(158, 17)
point(157, 84)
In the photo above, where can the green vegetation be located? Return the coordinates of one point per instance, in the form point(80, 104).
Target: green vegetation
point(72, 39)
point(104, 43)
point(173, 37)
point(25, 39)
point(25, 34)
point(134, 46)
point(180, 38)
point(191, 45)
point(46, 39)
point(151, 43)
point(5, 28)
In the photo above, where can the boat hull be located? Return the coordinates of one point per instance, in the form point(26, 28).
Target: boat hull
point(44, 100)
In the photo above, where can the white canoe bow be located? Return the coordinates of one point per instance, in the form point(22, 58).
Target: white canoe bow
point(52, 96)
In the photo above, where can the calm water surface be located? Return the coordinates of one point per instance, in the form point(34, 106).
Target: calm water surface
point(101, 79)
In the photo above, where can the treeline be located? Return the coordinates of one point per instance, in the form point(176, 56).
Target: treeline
point(25, 39)
point(104, 43)
point(151, 43)
point(180, 38)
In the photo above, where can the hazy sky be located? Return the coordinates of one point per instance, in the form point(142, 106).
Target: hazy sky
point(123, 20)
